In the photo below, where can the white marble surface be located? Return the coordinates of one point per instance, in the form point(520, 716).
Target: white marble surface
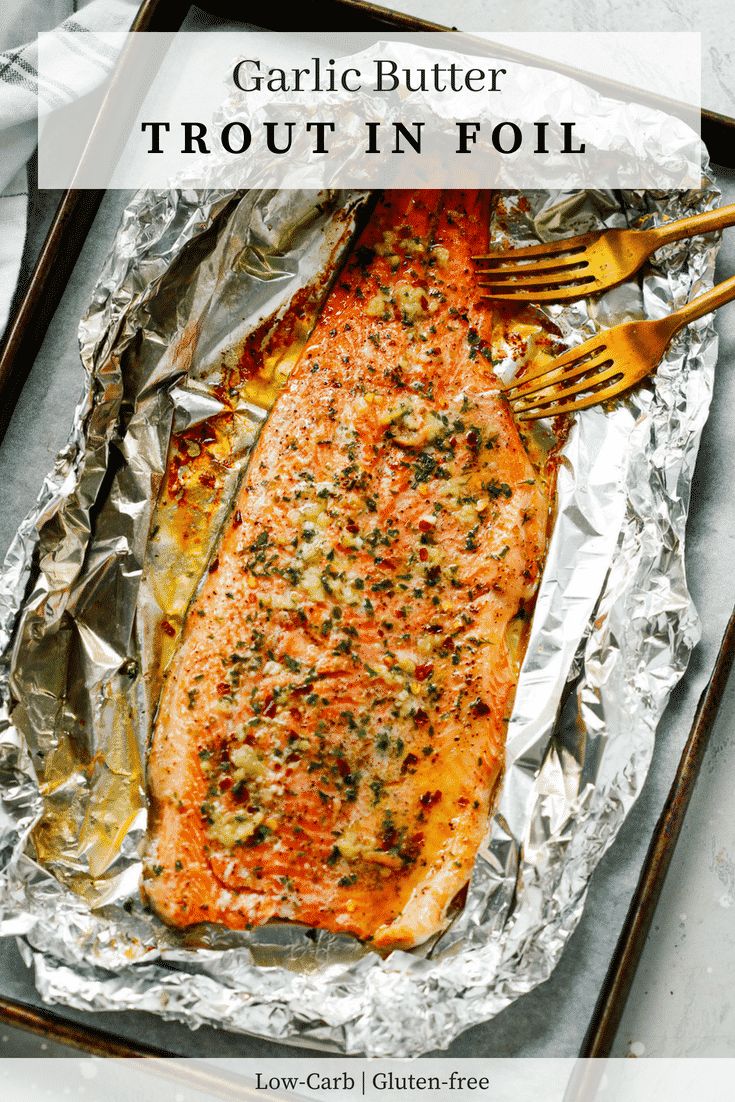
point(682, 999)
point(713, 19)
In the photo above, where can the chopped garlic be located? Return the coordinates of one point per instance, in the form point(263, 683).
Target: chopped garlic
point(377, 307)
point(409, 299)
point(231, 827)
point(247, 762)
point(406, 660)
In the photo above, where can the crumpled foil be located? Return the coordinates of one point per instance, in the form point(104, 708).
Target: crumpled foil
point(191, 274)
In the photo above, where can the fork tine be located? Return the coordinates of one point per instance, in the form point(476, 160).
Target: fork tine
point(559, 392)
point(545, 372)
point(562, 375)
point(604, 395)
point(529, 284)
point(567, 245)
point(550, 264)
point(571, 293)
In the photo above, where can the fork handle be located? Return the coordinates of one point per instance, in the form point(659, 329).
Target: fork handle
point(695, 224)
point(704, 304)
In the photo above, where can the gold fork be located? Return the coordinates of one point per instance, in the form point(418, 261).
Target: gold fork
point(608, 364)
point(578, 266)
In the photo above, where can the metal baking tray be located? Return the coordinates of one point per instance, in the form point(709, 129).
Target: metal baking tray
point(23, 339)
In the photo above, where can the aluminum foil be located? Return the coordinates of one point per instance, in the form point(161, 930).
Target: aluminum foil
point(85, 605)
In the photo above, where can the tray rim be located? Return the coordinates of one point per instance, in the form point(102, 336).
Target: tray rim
point(24, 335)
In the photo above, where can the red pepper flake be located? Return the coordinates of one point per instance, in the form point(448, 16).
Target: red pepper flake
point(225, 784)
point(343, 768)
point(269, 708)
point(213, 565)
point(352, 527)
point(426, 525)
point(240, 794)
point(207, 480)
point(479, 708)
point(237, 519)
point(473, 440)
point(448, 643)
point(423, 671)
point(223, 689)
point(420, 717)
point(412, 848)
point(408, 762)
point(423, 554)
point(168, 628)
point(430, 798)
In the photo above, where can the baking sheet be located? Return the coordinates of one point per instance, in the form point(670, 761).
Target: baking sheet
point(525, 1002)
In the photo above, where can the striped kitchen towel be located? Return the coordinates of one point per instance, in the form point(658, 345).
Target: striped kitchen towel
point(81, 60)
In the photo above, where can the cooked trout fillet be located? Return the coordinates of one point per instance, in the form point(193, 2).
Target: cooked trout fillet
point(331, 729)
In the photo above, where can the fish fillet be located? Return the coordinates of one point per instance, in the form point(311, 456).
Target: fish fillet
point(332, 727)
